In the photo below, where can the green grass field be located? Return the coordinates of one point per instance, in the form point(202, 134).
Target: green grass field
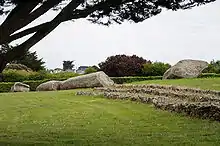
point(62, 118)
point(202, 83)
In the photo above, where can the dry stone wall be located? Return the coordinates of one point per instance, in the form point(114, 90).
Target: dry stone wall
point(189, 101)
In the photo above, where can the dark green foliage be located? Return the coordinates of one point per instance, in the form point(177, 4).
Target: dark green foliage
point(5, 87)
point(123, 65)
point(119, 10)
point(136, 11)
point(68, 65)
point(214, 67)
point(122, 80)
point(155, 69)
point(5, 48)
point(90, 70)
point(30, 59)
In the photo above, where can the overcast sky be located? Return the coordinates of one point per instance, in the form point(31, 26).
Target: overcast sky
point(168, 37)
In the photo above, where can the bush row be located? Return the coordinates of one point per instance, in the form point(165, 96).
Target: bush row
point(209, 75)
point(122, 80)
point(20, 76)
point(6, 86)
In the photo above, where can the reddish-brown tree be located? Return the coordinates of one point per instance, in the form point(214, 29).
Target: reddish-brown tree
point(123, 65)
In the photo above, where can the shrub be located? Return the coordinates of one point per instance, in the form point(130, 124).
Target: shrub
point(61, 75)
point(155, 69)
point(122, 80)
point(213, 67)
point(123, 65)
point(90, 70)
point(5, 87)
point(21, 75)
point(66, 75)
point(41, 75)
point(15, 75)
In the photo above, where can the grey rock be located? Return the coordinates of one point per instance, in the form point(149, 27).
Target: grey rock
point(186, 69)
point(49, 86)
point(97, 79)
point(20, 87)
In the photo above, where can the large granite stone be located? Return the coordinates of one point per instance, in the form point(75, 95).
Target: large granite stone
point(186, 69)
point(49, 86)
point(97, 79)
point(20, 87)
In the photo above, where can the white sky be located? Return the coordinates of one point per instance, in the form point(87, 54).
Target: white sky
point(168, 37)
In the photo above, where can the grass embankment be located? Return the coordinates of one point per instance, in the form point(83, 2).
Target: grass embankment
point(62, 118)
point(202, 83)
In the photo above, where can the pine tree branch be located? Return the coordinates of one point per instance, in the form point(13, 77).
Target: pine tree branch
point(22, 16)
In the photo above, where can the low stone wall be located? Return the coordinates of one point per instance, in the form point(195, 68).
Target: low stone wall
point(192, 97)
point(192, 102)
point(171, 87)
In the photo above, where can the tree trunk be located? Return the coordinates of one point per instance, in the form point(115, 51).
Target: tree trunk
point(3, 64)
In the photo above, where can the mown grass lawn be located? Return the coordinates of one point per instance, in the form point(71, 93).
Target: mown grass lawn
point(202, 83)
point(62, 118)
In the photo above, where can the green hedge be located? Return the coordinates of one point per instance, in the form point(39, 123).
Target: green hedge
point(6, 86)
point(15, 76)
point(122, 80)
point(20, 76)
point(33, 84)
point(209, 75)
